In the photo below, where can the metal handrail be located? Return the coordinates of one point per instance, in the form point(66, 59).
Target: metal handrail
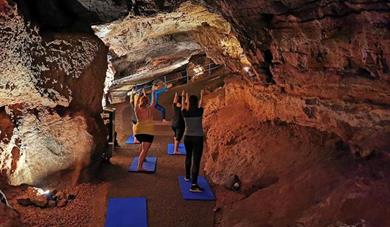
point(5, 199)
point(209, 69)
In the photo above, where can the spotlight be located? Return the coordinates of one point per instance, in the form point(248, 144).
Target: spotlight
point(198, 70)
point(246, 69)
point(40, 191)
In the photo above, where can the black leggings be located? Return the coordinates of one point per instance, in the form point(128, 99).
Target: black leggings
point(194, 150)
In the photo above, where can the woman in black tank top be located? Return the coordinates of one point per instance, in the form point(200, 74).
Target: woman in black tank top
point(193, 137)
point(177, 123)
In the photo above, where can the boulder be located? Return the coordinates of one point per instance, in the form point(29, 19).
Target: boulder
point(50, 100)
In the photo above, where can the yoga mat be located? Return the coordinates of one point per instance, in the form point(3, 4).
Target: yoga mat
point(149, 164)
point(182, 149)
point(206, 195)
point(123, 212)
point(130, 140)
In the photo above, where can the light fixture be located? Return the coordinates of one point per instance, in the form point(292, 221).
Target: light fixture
point(198, 70)
point(246, 68)
point(40, 191)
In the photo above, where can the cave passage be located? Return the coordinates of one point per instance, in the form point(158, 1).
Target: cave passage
point(280, 111)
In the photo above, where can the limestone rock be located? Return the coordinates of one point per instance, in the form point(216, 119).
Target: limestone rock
point(50, 90)
point(144, 48)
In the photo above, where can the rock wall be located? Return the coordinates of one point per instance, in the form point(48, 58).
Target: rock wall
point(319, 64)
point(51, 88)
point(313, 102)
point(289, 174)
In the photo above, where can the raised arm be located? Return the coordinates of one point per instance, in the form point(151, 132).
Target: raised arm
point(152, 101)
point(135, 104)
point(175, 99)
point(201, 99)
point(131, 96)
point(183, 100)
point(187, 103)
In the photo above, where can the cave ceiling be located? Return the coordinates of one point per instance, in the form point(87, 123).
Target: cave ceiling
point(146, 38)
point(144, 48)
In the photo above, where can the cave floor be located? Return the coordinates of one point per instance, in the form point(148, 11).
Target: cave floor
point(165, 204)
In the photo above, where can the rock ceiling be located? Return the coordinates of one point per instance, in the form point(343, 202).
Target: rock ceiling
point(144, 48)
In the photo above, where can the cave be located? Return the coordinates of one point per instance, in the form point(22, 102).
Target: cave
point(295, 113)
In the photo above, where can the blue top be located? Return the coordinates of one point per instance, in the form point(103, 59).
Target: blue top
point(158, 93)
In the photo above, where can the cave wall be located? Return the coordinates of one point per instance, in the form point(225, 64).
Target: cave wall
point(51, 87)
point(322, 64)
point(311, 145)
point(289, 174)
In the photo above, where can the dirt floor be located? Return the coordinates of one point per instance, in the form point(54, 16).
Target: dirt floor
point(165, 204)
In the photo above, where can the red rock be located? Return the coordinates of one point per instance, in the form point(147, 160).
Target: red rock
point(62, 202)
point(9, 217)
point(24, 201)
point(37, 199)
point(51, 204)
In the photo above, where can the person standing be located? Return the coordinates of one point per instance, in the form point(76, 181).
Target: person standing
point(177, 123)
point(193, 137)
point(144, 128)
point(160, 88)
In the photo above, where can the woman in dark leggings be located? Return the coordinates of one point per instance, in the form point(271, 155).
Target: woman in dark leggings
point(177, 123)
point(193, 137)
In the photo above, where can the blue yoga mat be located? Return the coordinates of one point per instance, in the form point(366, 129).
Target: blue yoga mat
point(206, 195)
point(149, 164)
point(123, 212)
point(130, 140)
point(182, 149)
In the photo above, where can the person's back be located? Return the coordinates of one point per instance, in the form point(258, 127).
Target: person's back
point(193, 121)
point(177, 120)
point(144, 115)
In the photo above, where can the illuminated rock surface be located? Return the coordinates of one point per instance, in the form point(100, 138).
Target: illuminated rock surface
point(50, 92)
point(303, 119)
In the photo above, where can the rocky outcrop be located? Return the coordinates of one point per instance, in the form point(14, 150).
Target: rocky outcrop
point(324, 74)
point(289, 173)
point(50, 100)
point(144, 48)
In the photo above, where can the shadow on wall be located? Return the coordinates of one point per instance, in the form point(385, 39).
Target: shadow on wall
point(123, 124)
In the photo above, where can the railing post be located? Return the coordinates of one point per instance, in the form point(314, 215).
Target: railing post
point(187, 74)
